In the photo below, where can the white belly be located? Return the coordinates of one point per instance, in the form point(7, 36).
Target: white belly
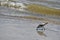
point(40, 29)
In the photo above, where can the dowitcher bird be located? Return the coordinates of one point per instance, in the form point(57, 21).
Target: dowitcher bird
point(41, 27)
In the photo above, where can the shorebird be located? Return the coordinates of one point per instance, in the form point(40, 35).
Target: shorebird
point(40, 27)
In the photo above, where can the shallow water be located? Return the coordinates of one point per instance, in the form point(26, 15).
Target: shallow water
point(16, 28)
point(25, 29)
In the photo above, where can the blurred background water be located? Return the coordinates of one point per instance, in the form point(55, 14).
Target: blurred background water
point(16, 28)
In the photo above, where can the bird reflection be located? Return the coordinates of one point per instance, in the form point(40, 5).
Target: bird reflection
point(41, 33)
point(40, 29)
